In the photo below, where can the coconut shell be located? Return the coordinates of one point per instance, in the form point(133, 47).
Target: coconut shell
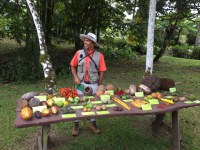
point(101, 87)
point(110, 87)
point(153, 82)
point(99, 93)
point(29, 95)
point(132, 89)
point(144, 89)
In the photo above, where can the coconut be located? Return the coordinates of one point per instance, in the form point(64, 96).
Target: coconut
point(101, 87)
point(144, 88)
point(110, 87)
point(132, 89)
point(99, 93)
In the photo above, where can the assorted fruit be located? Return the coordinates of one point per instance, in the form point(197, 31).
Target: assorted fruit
point(68, 92)
point(125, 99)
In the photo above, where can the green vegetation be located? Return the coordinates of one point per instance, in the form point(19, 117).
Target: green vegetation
point(118, 132)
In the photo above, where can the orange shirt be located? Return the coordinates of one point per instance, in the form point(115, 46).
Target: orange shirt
point(102, 64)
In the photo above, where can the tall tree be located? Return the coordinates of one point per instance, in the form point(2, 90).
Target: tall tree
point(197, 42)
point(49, 73)
point(150, 36)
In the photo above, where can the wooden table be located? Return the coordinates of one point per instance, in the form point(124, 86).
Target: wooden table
point(156, 124)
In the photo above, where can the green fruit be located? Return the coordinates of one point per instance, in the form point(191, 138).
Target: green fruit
point(71, 99)
point(59, 103)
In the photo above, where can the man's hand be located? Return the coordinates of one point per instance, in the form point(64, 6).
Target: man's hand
point(77, 81)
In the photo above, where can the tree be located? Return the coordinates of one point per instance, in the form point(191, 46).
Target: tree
point(197, 42)
point(49, 73)
point(150, 36)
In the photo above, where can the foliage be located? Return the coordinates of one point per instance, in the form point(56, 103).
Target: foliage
point(181, 51)
point(19, 70)
point(117, 49)
point(195, 53)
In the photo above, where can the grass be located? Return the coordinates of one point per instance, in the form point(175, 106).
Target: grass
point(119, 132)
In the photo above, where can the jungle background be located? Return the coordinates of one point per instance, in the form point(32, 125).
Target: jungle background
point(121, 28)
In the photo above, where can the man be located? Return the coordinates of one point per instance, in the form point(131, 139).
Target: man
point(90, 66)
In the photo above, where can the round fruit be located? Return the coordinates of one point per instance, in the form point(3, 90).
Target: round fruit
point(102, 88)
point(65, 103)
point(45, 112)
point(99, 93)
point(110, 87)
point(34, 102)
point(54, 109)
point(26, 113)
point(24, 103)
point(59, 103)
point(38, 115)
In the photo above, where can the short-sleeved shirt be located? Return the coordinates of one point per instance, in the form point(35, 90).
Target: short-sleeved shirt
point(102, 64)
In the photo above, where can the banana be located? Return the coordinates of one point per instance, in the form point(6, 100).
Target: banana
point(121, 103)
point(167, 100)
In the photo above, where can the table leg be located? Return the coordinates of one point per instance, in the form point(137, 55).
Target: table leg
point(157, 123)
point(175, 130)
point(42, 138)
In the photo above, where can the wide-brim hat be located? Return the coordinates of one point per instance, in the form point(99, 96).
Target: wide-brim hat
point(90, 36)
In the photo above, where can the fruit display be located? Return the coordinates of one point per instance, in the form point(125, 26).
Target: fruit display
point(99, 93)
point(119, 92)
point(67, 110)
point(124, 96)
point(34, 102)
point(23, 103)
point(144, 88)
point(50, 102)
point(88, 91)
point(26, 113)
point(46, 112)
point(156, 95)
point(121, 103)
point(68, 92)
point(101, 88)
point(110, 87)
point(132, 89)
point(29, 95)
point(38, 115)
point(99, 108)
point(117, 108)
point(138, 103)
point(167, 100)
point(54, 109)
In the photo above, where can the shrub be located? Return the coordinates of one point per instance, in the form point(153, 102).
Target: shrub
point(19, 70)
point(195, 53)
point(183, 51)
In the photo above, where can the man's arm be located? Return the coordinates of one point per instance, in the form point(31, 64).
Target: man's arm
point(76, 79)
point(101, 73)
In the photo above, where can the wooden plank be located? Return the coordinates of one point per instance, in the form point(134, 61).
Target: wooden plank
point(175, 130)
point(44, 136)
point(157, 123)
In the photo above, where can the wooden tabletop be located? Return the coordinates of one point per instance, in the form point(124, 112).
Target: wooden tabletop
point(20, 123)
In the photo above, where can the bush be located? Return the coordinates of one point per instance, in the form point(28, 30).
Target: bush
point(183, 51)
point(19, 70)
point(195, 53)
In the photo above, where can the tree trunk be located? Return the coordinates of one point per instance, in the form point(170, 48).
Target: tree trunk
point(168, 36)
point(49, 72)
point(197, 42)
point(150, 37)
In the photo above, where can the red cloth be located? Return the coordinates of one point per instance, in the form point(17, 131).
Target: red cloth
point(102, 64)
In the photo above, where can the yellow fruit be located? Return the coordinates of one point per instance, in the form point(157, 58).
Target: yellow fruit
point(66, 103)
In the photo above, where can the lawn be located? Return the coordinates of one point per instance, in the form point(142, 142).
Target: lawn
point(119, 132)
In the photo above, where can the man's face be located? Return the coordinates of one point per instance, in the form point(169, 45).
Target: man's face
point(88, 44)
